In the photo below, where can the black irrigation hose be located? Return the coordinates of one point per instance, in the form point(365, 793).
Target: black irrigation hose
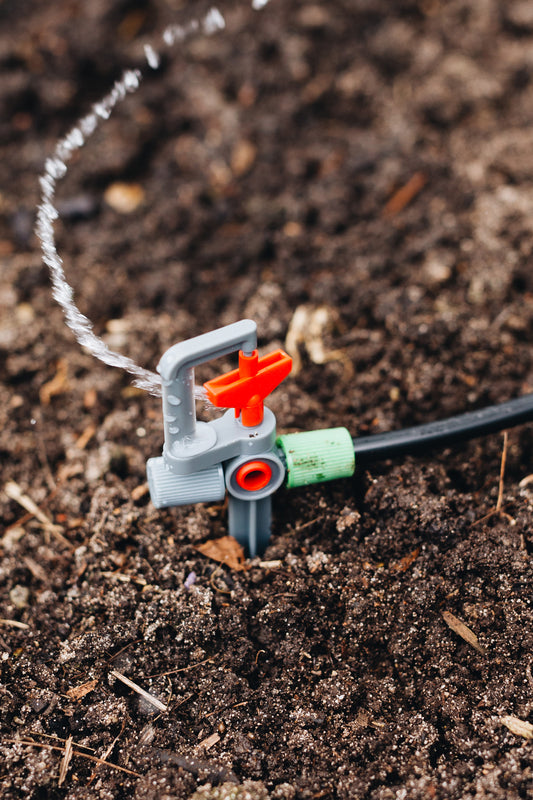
point(443, 433)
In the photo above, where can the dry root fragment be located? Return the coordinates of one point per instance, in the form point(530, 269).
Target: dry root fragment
point(498, 508)
point(14, 623)
point(83, 440)
point(139, 492)
point(58, 385)
point(518, 726)
point(308, 326)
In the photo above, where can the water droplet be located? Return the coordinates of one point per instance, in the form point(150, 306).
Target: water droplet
point(151, 56)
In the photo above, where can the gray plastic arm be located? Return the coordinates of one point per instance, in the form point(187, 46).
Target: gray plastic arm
point(176, 368)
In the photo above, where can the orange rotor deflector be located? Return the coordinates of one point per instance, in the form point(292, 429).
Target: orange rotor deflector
point(245, 388)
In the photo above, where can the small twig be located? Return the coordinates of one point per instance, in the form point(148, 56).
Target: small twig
point(122, 649)
point(14, 492)
point(47, 746)
point(498, 508)
point(63, 741)
point(308, 524)
point(107, 752)
point(503, 463)
point(181, 669)
point(65, 762)
point(403, 196)
point(136, 688)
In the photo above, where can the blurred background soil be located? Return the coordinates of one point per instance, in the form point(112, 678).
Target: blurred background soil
point(357, 176)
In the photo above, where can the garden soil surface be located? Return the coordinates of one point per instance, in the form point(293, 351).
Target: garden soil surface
point(356, 176)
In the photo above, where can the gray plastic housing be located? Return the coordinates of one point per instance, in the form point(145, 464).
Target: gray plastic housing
point(168, 489)
point(184, 437)
point(200, 459)
point(249, 512)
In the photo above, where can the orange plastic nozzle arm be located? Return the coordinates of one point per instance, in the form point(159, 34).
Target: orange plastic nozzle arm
point(245, 388)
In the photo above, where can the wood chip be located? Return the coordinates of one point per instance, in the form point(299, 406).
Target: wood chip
point(58, 385)
point(136, 688)
point(124, 197)
point(518, 726)
point(139, 492)
point(89, 399)
point(403, 196)
point(210, 741)
point(405, 562)
point(226, 550)
point(65, 762)
point(462, 630)
point(83, 440)
point(77, 692)
point(243, 157)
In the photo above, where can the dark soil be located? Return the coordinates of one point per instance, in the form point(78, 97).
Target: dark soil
point(270, 161)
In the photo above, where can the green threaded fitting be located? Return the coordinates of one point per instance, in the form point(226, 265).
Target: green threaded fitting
point(317, 456)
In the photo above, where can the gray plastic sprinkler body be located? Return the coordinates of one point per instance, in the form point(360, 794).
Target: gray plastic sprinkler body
point(236, 452)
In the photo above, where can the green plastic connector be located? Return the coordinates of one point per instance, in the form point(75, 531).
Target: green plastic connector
point(317, 456)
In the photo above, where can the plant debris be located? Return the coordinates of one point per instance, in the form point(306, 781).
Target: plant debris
point(136, 688)
point(225, 550)
point(462, 630)
point(518, 726)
